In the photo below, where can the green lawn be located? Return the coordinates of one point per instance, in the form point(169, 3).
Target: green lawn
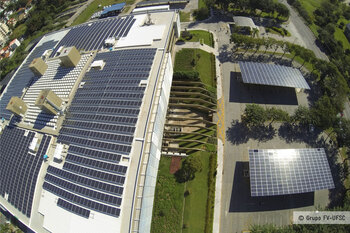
point(196, 202)
point(168, 201)
point(201, 3)
point(339, 35)
point(203, 64)
point(93, 7)
point(198, 35)
point(185, 16)
point(310, 6)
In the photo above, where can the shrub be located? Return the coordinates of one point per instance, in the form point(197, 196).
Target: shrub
point(186, 75)
point(201, 13)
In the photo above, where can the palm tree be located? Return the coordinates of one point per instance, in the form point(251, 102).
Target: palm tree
point(285, 48)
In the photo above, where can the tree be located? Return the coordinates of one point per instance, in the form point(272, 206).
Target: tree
point(282, 10)
point(274, 114)
point(254, 115)
point(267, 44)
point(190, 166)
point(306, 55)
point(324, 112)
point(343, 132)
point(302, 115)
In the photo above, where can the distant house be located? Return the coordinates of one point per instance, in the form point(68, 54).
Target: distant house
point(4, 31)
point(347, 31)
point(12, 22)
point(14, 44)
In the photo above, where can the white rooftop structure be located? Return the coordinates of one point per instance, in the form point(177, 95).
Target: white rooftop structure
point(242, 21)
point(101, 153)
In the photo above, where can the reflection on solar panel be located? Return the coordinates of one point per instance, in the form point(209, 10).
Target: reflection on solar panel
point(91, 36)
point(73, 208)
point(99, 129)
point(22, 78)
point(274, 75)
point(19, 168)
point(288, 171)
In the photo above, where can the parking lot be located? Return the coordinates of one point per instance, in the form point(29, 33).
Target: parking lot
point(239, 209)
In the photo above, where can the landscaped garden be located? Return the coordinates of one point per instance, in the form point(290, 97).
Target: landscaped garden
point(184, 201)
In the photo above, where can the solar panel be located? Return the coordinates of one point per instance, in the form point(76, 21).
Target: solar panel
point(99, 129)
point(73, 208)
point(273, 75)
point(82, 201)
point(91, 36)
point(288, 171)
point(19, 167)
point(22, 78)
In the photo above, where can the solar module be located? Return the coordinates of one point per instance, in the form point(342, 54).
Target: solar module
point(22, 78)
point(288, 171)
point(99, 129)
point(91, 36)
point(273, 75)
point(73, 208)
point(19, 167)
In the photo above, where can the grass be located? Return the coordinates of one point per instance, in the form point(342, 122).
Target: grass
point(185, 16)
point(339, 35)
point(198, 35)
point(168, 204)
point(279, 31)
point(195, 203)
point(201, 4)
point(18, 31)
point(93, 7)
point(184, 61)
point(310, 6)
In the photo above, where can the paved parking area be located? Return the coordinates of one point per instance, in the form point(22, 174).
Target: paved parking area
point(239, 210)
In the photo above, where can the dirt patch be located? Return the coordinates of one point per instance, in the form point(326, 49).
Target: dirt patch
point(175, 164)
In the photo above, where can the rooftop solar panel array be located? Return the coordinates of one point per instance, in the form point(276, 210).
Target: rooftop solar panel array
point(273, 75)
point(57, 78)
point(99, 129)
point(91, 36)
point(288, 171)
point(19, 168)
point(22, 78)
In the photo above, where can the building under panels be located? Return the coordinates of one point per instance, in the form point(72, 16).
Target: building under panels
point(82, 125)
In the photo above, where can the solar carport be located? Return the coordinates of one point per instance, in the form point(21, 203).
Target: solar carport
point(271, 75)
point(288, 171)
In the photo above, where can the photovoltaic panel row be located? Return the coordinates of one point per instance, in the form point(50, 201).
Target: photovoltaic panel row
point(124, 139)
point(108, 125)
point(22, 78)
point(79, 190)
point(95, 164)
point(91, 36)
point(270, 74)
point(126, 96)
point(107, 177)
point(288, 171)
point(106, 209)
point(88, 182)
point(92, 143)
point(100, 124)
point(73, 208)
point(110, 110)
point(19, 168)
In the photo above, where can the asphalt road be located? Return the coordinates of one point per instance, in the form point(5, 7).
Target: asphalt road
point(304, 31)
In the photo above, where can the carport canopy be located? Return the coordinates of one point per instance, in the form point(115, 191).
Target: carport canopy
point(272, 75)
point(288, 171)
